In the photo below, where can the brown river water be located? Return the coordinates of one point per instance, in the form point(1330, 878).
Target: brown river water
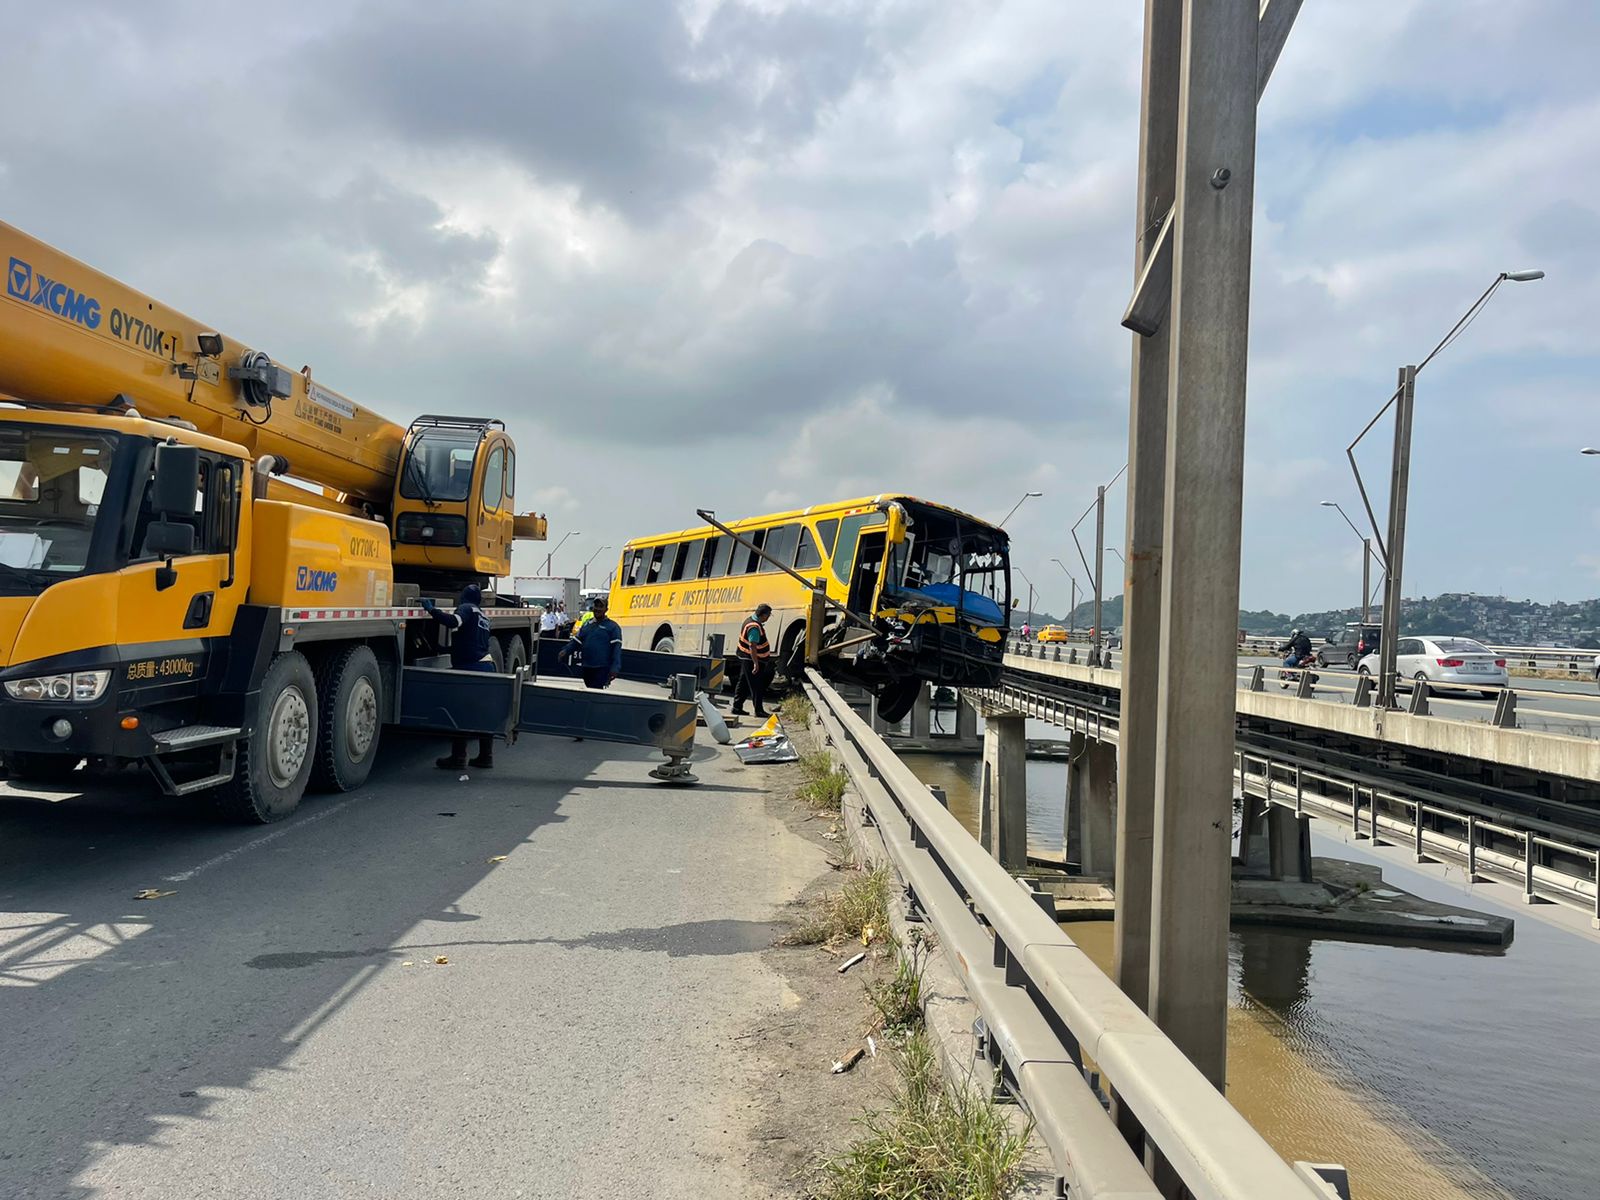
point(1431, 1074)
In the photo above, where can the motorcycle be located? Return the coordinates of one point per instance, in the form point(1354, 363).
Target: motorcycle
point(1289, 675)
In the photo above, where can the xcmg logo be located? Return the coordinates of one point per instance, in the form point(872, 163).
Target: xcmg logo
point(54, 297)
point(308, 580)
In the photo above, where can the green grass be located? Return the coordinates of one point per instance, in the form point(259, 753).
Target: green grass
point(795, 710)
point(822, 784)
point(860, 903)
point(928, 1143)
point(898, 999)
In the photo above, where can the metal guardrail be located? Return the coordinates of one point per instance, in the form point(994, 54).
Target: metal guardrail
point(1049, 1011)
point(1542, 860)
point(1584, 710)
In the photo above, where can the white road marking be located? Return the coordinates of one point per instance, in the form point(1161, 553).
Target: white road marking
point(263, 840)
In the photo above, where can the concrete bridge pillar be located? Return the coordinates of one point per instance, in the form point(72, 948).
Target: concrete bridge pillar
point(1274, 843)
point(966, 722)
point(921, 714)
point(1090, 826)
point(1003, 817)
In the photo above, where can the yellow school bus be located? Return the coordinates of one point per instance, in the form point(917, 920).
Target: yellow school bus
point(927, 588)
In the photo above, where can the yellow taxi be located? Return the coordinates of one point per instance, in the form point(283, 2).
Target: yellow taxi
point(1052, 633)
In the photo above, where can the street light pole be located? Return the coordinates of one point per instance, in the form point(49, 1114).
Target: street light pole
point(1366, 561)
point(1017, 505)
point(1399, 482)
point(584, 581)
point(548, 557)
point(1072, 618)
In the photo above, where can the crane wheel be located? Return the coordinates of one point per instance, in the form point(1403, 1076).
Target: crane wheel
point(350, 704)
point(515, 653)
point(275, 761)
point(897, 698)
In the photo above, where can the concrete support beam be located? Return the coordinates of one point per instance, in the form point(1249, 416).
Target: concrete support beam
point(966, 722)
point(1090, 826)
point(1200, 554)
point(1003, 821)
point(1147, 465)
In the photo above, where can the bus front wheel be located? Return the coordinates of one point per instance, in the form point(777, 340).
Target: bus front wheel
point(897, 698)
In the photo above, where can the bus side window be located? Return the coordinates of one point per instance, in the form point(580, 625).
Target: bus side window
point(827, 531)
point(708, 557)
point(688, 564)
point(652, 572)
point(746, 561)
point(725, 548)
point(634, 565)
point(781, 546)
point(669, 560)
point(807, 558)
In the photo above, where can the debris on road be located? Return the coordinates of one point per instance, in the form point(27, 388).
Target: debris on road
point(872, 1046)
point(441, 961)
point(464, 779)
point(850, 962)
point(408, 963)
point(849, 1060)
point(151, 894)
point(498, 858)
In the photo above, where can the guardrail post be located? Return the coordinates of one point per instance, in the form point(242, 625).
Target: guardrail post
point(1472, 848)
point(1258, 679)
point(715, 645)
point(1419, 698)
point(1528, 852)
point(1299, 792)
point(1363, 698)
point(1417, 813)
point(1505, 709)
point(1372, 795)
point(939, 795)
point(1308, 684)
point(1355, 812)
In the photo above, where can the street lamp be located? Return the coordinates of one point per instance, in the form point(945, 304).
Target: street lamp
point(1366, 561)
point(559, 544)
point(1094, 572)
point(1029, 582)
point(584, 581)
point(1393, 553)
point(1017, 505)
point(1072, 613)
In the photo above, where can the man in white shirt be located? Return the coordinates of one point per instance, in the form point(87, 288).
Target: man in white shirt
point(548, 622)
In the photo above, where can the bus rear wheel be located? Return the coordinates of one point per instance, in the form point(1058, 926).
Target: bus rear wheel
point(274, 763)
point(666, 644)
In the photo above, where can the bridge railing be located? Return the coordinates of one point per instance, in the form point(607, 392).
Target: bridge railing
point(1050, 1012)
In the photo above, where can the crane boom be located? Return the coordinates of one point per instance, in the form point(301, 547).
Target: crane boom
point(71, 336)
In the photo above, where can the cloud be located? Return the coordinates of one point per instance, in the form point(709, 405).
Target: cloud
point(749, 253)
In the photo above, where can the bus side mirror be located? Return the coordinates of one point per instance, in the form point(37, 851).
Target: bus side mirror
point(177, 479)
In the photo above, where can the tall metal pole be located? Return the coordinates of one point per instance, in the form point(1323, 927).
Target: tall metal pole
point(1399, 483)
point(1366, 580)
point(1147, 477)
point(1099, 570)
point(1210, 321)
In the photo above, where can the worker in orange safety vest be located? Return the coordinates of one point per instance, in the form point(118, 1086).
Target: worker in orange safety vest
point(755, 662)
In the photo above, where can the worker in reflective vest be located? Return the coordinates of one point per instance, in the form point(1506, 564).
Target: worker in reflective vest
point(755, 662)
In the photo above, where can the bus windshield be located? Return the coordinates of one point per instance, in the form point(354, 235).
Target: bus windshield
point(950, 559)
point(51, 484)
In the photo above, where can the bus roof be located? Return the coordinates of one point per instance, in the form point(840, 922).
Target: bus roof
point(831, 509)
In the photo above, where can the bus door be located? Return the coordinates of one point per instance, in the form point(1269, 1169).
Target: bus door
point(858, 558)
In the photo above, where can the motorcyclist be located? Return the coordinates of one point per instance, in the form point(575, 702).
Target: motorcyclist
point(1298, 648)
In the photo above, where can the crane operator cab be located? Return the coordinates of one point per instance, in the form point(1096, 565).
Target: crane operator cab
point(446, 529)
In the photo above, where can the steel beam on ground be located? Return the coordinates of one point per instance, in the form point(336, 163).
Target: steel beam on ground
point(1200, 567)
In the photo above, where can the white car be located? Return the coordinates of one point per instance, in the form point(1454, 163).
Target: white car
point(1443, 659)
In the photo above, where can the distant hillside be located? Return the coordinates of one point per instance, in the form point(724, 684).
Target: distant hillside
point(1492, 619)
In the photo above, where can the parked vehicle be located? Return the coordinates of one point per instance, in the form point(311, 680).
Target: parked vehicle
point(1349, 646)
point(1053, 633)
point(1440, 658)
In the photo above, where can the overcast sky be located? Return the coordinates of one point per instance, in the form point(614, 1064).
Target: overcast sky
point(747, 255)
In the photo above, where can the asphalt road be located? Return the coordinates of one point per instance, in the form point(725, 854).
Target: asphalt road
point(278, 1027)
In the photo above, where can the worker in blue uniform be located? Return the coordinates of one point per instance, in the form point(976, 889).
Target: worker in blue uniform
point(469, 651)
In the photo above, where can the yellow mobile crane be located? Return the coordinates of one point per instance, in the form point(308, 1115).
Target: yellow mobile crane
point(210, 564)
